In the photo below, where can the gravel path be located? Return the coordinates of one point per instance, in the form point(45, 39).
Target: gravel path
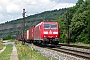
point(14, 54)
point(2, 49)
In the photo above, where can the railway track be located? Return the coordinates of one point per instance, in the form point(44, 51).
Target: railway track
point(84, 47)
point(74, 50)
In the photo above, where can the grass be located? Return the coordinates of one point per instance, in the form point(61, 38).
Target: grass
point(7, 52)
point(1, 45)
point(80, 44)
point(25, 53)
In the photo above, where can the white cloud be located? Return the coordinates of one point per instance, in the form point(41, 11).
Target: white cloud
point(65, 5)
point(0, 8)
point(31, 2)
point(1, 18)
point(45, 1)
point(13, 8)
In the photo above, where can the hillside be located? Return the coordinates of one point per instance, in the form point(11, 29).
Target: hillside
point(12, 28)
point(79, 23)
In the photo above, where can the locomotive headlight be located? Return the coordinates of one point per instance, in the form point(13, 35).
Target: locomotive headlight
point(55, 32)
point(45, 32)
point(56, 36)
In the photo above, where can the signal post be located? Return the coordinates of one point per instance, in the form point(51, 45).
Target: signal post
point(23, 27)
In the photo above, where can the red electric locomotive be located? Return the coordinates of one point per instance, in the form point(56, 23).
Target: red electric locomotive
point(43, 33)
point(47, 32)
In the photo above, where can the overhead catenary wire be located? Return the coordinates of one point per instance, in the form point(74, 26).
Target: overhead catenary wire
point(55, 4)
point(35, 6)
point(45, 6)
point(52, 6)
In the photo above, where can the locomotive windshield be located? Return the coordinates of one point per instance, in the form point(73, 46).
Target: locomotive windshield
point(53, 26)
point(48, 26)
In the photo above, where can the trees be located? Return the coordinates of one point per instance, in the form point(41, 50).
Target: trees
point(79, 22)
point(79, 2)
point(8, 37)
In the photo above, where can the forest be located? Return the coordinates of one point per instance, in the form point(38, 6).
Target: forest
point(79, 23)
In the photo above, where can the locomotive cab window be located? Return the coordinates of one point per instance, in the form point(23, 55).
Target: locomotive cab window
point(53, 26)
point(46, 26)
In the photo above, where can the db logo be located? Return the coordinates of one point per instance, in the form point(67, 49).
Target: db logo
point(50, 32)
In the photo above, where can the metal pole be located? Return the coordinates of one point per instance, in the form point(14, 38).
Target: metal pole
point(23, 27)
point(68, 31)
point(17, 35)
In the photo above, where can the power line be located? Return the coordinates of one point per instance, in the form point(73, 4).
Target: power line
point(53, 5)
point(35, 6)
point(45, 6)
point(56, 4)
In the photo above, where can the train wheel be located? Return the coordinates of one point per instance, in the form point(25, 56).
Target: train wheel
point(43, 44)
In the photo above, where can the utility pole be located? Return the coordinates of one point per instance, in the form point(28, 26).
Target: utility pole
point(23, 27)
point(17, 35)
point(67, 27)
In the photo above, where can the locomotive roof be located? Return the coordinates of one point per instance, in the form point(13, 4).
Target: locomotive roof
point(45, 23)
point(49, 22)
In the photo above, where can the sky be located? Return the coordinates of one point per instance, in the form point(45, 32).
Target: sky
point(12, 9)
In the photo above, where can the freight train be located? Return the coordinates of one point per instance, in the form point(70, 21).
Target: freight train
point(43, 33)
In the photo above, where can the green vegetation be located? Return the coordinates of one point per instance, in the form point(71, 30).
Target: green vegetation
point(25, 53)
point(8, 37)
point(80, 44)
point(79, 16)
point(7, 53)
point(1, 45)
